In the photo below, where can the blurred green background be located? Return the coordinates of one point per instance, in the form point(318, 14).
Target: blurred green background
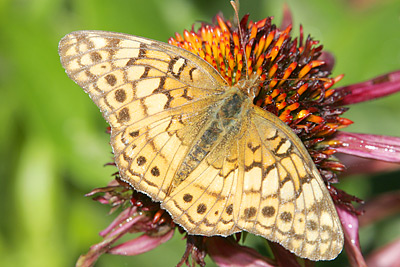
point(52, 137)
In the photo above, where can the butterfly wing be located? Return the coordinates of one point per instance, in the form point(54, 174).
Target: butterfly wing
point(280, 194)
point(155, 97)
point(260, 179)
point(203, 202)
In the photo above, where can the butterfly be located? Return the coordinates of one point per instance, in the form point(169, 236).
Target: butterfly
point(215, 161)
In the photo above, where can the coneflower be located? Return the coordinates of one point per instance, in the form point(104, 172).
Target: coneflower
point(295, 85)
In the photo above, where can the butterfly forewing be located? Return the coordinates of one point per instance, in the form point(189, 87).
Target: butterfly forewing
point(151, 96)
point(216, 168)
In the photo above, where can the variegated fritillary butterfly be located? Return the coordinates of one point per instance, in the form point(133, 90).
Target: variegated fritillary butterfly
point(216, 162)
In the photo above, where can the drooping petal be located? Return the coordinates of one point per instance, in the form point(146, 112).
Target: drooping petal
point(378, 87)
point(101, 190)
point(97, 250)
point(329, 60)
point(283, 256)
point(123, 216)
point(227, 253)
point(287, 17)
point(380, 207)
point(350, 229)
point(379, 147)
point(387, 256)
point(358, 165)
point(141, 244)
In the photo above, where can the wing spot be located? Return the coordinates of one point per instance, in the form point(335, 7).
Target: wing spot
point(306, 179)
point(286, 216)
point(145, 73)
point(141, 160)
point(312, 225)
point(216, 212)
point(268, 211)
point(95, 57)
point(90, 75)
point(111, 79)
point(187, 198)
point(123, 115)
point(160, 87)
point(130, 62)
point(327, 228)
point(134, 134)
point(201, 208)
point(155, 171)
point(120, 95)
point(80, 38)
point(127, 158)
point(250, 212)
point(229, 209)
point(253, 148)
point(113, 42)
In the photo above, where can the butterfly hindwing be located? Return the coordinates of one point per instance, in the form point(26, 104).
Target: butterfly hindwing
point(284, 198)
point(203, 202)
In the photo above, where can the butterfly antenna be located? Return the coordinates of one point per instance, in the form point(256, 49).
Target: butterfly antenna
point(235, 5)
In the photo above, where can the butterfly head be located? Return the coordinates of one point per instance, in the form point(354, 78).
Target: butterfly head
point(250, 86)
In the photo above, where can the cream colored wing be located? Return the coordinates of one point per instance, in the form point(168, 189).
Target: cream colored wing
point(280, 194)
point(203, 202)
point(261, 180)
point(155, 96)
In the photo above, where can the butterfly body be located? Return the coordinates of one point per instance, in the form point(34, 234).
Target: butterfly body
point(224, 122)
point(216, 162)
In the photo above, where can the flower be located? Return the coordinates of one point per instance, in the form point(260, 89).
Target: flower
point(296, 86)
point(139, 215)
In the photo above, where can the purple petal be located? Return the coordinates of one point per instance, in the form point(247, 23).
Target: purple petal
point(357, 165)
point(125, 226)
point(329, 60)
point(89, 259)
point(101, 190)
point(378, 87)
point(371, 146)
point(380, 207)
point(283, 256)
point(351, 240)
point(227, 253)
point(97, 250)
point(141, 244)
point(388, 256)
point(121, 218)
point(101, 199)
point(287, 17)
